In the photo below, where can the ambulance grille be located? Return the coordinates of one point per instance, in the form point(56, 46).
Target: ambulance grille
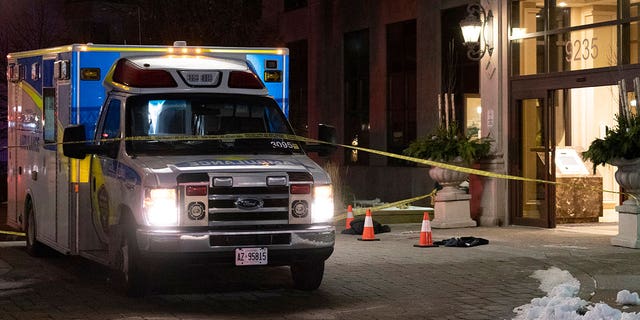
point(274, 204)
point(223, 211)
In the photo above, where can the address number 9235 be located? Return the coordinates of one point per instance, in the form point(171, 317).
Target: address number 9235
point(584, 49)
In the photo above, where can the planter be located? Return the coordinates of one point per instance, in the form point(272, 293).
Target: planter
point(451, 145)
point(450, 181)
point(628, 177)
point(452, 208)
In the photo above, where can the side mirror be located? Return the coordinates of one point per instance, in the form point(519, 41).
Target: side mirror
point(326, 133)
point(74, 142)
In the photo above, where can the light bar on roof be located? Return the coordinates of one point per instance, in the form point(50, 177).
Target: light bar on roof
point(184, 50)
point(197, 78)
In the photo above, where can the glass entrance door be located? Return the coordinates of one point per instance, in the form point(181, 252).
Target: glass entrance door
point(582, 115)
point(533, 199)
point(552, 130)
point(551, 117)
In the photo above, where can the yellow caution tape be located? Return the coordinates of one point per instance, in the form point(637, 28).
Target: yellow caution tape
point(361, 211)
point(22, 234)
point(309, 140)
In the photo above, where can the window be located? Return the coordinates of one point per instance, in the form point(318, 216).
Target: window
point(35, 71)
point(110, 128)
point(472, 112)
point(49, 106)
point(556, 36)
point(188, 124)
point(356, 95)
point(111, 125)
point(401, 86)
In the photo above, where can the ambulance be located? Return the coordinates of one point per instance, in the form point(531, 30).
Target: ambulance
point(139, 157)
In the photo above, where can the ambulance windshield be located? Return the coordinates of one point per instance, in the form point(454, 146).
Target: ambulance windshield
point(181, 124)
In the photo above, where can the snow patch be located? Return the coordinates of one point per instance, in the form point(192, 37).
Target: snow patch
point(562, 303)
point(627, 298)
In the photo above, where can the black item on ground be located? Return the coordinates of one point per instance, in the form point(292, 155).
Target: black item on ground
point(463, 242)
point(357, 226)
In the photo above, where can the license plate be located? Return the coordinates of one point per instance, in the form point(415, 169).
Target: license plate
point(251, 256)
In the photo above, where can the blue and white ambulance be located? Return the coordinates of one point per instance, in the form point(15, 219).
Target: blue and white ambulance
point(137, 156)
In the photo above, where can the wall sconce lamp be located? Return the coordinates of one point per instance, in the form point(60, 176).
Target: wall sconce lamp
point(477, 31)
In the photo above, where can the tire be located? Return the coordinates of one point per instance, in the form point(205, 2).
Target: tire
point(34, 247)
point(307, 276)
point(135, 278)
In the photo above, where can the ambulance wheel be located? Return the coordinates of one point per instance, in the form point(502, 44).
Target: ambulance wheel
point(135, 278)
point(307, 276)
point(34, 247)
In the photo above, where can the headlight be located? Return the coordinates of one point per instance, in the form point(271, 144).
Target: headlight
point(160, 207)
point(322, 207)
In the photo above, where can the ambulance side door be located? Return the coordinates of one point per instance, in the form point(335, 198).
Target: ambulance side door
point(46, 177)
point(104, 183)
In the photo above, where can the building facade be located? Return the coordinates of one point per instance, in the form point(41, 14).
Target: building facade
point(375, 70)
point(547, 85)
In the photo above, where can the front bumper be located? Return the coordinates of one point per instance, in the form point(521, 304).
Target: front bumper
point(285, 247)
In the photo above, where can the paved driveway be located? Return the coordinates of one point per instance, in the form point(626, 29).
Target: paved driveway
point(387, 279)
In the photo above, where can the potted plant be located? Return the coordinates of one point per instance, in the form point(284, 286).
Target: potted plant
point(620, 147)
point(447, 144)
point(450, 145)
point(620, 143)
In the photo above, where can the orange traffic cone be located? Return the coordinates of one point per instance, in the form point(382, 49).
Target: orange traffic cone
point(368, 234)
point(426, 240)
point(349, 217)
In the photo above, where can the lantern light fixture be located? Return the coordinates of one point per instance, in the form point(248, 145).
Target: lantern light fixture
point(477, 31)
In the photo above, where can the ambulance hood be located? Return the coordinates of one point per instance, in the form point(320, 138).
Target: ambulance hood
point(167, 168)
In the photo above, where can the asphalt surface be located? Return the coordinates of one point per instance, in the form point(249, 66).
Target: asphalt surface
point(386, 279)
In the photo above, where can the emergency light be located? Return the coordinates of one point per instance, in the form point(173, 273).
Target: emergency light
point(129, 74)
point(244, 80)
